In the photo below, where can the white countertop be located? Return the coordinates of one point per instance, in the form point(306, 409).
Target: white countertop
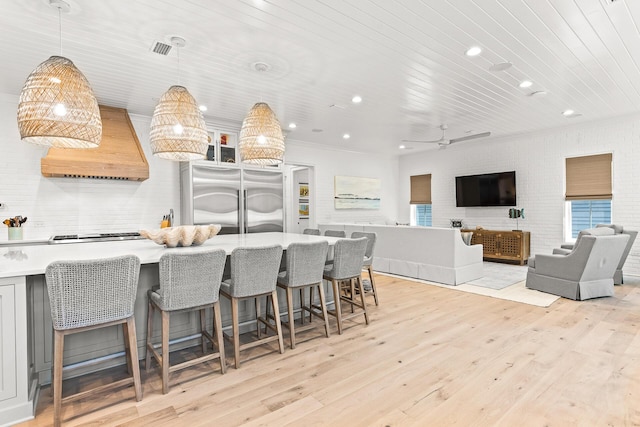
point(26, 260)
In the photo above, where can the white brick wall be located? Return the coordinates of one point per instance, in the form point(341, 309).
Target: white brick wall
point(331, 162)
point(538, 160)
point(73, 205)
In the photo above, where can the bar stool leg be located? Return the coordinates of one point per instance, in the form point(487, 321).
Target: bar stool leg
point(147, 360)
point(203, 328)
point(311, 303)
point(292, 332)
point(58, 343)
point(323, 306)
point(236, 332)
point(165, 352)
point(133, 356)
point(364, 304)
point(336, 299)
point(217, 331)
point(127, 350)
point(301, 304)
point(276, 314)
point(373, 285)
point(258, 311)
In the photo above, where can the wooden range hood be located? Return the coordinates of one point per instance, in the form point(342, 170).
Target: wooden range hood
point(119, 155)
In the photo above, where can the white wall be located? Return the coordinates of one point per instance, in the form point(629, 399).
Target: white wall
point(74, 205)
point(331, 162)
point(539, 162)
point(78, 205)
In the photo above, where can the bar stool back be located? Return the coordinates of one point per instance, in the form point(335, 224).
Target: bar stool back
point(333, 233)
point(91, 294)
point(304, 269)
point(368, 259)
point(188, 281)
point(311, 231)
point(254, 273)
point(347, 268)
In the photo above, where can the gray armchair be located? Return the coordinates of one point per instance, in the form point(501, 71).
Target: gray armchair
point(586, 272)
point(602, 230)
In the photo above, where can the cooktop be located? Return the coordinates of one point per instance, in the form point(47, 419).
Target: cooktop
point(94, 237)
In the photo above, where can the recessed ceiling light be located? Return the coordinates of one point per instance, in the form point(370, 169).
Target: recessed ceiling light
point(567, 113)
point(203, 108)
point(346, 136)
point(292, 125)
point(525, 83)
point(501, 66)
point(356, 99)
point(402, 147)
point(473, 51)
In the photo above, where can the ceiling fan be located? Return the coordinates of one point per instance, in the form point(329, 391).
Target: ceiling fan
point(442, 142)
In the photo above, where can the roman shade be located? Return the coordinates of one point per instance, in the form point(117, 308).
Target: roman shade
point(421, 189)
point(588, 177)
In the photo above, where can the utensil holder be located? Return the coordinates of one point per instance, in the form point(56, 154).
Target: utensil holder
point(15, 233)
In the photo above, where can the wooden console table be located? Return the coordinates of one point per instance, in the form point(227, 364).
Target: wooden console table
point(511, 246)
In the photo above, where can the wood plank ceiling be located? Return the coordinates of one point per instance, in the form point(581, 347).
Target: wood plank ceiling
point(405, 58)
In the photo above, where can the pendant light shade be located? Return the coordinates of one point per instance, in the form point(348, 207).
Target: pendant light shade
point(178, 131)
point(261, 141)
point(58, 108)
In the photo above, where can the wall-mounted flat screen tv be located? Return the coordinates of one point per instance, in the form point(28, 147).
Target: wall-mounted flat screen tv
point(489, 189)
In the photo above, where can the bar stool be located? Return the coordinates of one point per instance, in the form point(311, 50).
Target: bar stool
point(304, 269)
point(254, 273)
point(333, 233)
point(311, 231)
point(347, 268)
point(188, 282)
point(91, 294)
point(368, 259)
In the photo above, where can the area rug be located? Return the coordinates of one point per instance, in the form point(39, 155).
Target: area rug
point(499, 276)
point(516, 291)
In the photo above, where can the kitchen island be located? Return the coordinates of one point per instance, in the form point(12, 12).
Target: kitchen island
point(25, 321)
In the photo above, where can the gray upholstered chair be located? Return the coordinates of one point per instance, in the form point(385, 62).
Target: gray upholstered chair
point(600, 230)
point(346, 268)
point(92, 294)
point(587, 272)
point(335, 233)
point(311, 231)
point(188, 282)
point(304, 268)
point(254, 273)
point(368, 260)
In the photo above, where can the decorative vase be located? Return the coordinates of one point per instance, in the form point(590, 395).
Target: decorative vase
point(15, 233)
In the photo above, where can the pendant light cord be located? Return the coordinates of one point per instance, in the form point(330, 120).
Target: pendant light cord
point(60, 29)
point(179, 77)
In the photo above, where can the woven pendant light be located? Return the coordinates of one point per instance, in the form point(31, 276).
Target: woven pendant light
point(261, 141)
point(178, 131)
point(58, 108)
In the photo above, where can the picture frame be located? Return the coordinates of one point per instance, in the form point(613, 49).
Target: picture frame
point(303, 190)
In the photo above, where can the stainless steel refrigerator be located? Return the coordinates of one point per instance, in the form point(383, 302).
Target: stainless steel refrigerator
point(241, 201)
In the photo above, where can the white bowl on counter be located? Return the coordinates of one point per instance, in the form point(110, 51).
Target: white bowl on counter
point(184, 235)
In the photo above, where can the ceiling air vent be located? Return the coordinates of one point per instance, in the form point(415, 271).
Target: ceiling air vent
point(161, 48)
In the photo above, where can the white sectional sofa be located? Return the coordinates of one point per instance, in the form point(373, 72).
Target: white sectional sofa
point(428, 253)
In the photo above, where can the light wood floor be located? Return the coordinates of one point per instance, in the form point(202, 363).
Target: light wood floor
point(430, 357)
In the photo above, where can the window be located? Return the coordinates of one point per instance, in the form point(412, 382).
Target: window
point(588, 213)
point(588, 192)
point(421, 200)
point(421, 215)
